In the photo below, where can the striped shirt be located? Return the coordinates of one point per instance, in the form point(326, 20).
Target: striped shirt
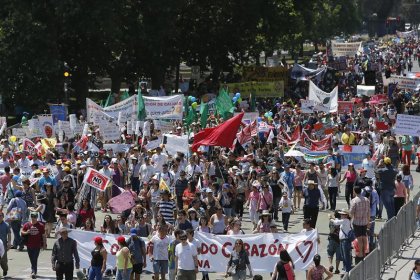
point(360, 210)
point(167, 209)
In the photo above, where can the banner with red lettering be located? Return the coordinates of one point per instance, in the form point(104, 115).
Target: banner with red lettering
point(96, 179)
point(263, 249)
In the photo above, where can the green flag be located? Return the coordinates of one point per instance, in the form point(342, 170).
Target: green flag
point(109, 101)
point(141, 111)
point(252, 102)
point(190, 118)
point(224, 105)
point(204, 114)
point(125, 95)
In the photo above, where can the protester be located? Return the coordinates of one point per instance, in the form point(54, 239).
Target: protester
point(312, 196)
point(360, 212)
point(158, 252)
point(6, 239)
point(415, 272)
point(238, 262)
point(186, 262)
point(137, 248)
point(317, 271)
point(283, 269)
point(286, 206)
point(64, 249)
point(98, 262)
point(34, 233)
point(16, 211)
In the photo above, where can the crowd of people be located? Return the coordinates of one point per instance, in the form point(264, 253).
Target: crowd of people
point(215, 189)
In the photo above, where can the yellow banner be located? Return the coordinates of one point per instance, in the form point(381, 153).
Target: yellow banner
point(258, 89)
point(265, 74)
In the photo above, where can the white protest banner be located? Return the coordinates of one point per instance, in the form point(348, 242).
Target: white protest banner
point(307, 106)
point(164, 107)
point(137, 129)
point(324, 101)
point(95, 112)
point(110, 132)
point(78, 129)
point(34, 128)
point(96, 180)
point(406, 34)
point(365, 90)
point(129, 128)
point(72, 121)
point(345, 49)
point(146, 129)
point(263, 249)
point(3, 124)
point(163, 125)
point(407, 125)
point(248, 117)
point(176, 143)
point(409, 82)
point(127, 108)
point(64, 126)
point(153, 144)
point(121, 202)
point(19, 132)
point(116, 148)
point(46, 126)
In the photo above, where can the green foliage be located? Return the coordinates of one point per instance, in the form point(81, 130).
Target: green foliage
point(128, 39)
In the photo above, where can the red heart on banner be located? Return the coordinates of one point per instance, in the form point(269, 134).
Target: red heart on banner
point(305, 243)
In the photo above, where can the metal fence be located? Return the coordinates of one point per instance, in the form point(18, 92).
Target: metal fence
point(394, 234)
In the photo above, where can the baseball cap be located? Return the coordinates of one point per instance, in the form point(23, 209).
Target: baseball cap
point(121, 239)
point(98, 240)
point(133, 232)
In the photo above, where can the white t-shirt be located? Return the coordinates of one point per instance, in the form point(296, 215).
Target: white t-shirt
point(160, 247)
point(369, 165)
point(286, 205)
point(185, 254)
point(159, 161)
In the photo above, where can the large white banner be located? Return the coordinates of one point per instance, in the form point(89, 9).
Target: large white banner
point(263, 249)
point(176, 143)
point(345, 49)
point(307, 106)
point(365, 90)
point(409, 82)
point(324, 101)
point(164, 107)
point(127, 109)
point(407, 125)
point(109, 131)
point(406, 34)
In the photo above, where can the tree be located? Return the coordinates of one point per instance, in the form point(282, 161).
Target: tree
point(411, 12)
point(30, 66)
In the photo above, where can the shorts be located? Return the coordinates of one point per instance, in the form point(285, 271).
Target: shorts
point(360, 230)
point(334, 248)
point(298, 188)
point(138, 268)
point(160, 266)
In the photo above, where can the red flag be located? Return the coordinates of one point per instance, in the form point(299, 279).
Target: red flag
point(82, 143)
point(247, 133)
point(221, 135)
point(382, 126)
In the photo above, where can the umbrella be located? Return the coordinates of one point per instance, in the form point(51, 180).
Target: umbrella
point(294, 153)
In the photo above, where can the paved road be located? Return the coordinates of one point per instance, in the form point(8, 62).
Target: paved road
point(19, 266)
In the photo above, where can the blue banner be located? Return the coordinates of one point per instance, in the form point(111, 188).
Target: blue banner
point(59, 113)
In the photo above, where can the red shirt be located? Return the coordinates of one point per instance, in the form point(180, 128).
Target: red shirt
point(36, 231)
point(86, 214)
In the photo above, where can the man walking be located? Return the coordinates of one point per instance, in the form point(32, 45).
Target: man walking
point(186, 262)
point(5, 237)
point(64, 250)
point(387, 186)
point(360, 211)
point(35, 240)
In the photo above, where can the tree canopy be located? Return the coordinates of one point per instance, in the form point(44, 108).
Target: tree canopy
point(128, 39)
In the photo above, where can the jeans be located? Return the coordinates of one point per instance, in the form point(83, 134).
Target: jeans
point(121, 275)
point(332, 193)
point(312, 213)
point(33, 254)
point(388, 201)
point(349, 192)
point(135, 184)
point(64, 270)
point(171, 274)
point(228, 212)
point(372, 232)
point(285, 220)
point(345, 250)
point(17, 241)
point(3, 261)
point(239, 275)
point(95, 273)
point(276, 201)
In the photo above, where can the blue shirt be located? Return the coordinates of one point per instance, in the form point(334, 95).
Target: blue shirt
point(45, 180)
point(288, 178)
point(4, 231)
